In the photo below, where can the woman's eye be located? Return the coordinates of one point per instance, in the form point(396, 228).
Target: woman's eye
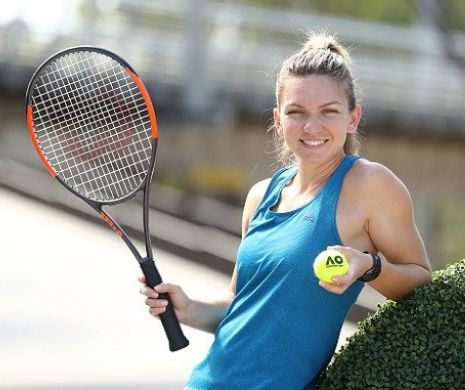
point(330, 111)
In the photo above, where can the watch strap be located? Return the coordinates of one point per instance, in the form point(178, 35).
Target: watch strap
point(374, 271)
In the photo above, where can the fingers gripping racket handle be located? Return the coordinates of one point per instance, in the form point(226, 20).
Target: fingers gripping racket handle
point(170, 322)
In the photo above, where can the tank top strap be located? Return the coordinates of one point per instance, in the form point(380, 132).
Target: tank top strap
point(333, 186)
point(278, 181)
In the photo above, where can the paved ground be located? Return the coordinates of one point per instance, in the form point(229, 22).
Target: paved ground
point(71, 316)
point(70, 311)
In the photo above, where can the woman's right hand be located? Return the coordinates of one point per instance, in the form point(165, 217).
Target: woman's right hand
point(180, 301)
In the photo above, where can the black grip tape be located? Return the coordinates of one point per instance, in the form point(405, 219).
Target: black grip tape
point(170, 322)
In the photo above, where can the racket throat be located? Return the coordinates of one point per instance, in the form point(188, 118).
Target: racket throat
point(110, 222)
point(118, 230)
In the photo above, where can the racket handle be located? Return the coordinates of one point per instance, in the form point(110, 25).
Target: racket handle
point(170, 322)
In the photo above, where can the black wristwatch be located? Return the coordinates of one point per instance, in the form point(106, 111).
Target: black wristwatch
point(374, 271)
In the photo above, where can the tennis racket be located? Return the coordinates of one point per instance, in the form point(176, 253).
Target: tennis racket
point(93, 125)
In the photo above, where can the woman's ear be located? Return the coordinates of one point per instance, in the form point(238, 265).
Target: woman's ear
point(355, 117)
point(277, 121)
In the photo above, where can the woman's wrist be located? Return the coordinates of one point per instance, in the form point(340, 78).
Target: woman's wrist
point(366, 264)
point(374, 269)
point(205, 315)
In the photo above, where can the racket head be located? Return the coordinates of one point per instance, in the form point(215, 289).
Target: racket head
point(92, 123)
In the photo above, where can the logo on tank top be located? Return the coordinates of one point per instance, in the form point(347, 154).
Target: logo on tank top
point(309, 217)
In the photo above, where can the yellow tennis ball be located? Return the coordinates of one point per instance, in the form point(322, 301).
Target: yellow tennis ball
point(330, 263)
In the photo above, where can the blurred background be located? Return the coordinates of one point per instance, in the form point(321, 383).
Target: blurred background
point(210, 68)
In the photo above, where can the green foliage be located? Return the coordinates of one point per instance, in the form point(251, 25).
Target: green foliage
point(416, 343)
point(403, 12)
point(388, 11)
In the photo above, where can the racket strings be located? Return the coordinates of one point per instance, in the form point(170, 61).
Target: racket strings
point(87, 78)
point(86, 99)
point(56, 105)
point(108, 169)
point(131, 157)
point(75, 140)
point(85, 68)
point(64, 115)
point(93, 125)
point(99, 119)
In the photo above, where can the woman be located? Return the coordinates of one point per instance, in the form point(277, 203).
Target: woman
point(278, 326)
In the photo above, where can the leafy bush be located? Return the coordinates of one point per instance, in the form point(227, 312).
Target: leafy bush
point(415, 343)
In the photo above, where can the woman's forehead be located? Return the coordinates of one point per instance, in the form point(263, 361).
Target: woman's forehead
point(311, 89)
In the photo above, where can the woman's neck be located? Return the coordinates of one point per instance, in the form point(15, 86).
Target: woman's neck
point(310, 178)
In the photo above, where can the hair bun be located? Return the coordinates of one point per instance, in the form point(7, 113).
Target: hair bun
point(325, 41)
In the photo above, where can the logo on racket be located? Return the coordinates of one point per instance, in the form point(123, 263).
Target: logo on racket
point(111, 224)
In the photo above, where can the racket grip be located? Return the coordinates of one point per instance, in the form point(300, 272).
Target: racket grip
point(170, 322)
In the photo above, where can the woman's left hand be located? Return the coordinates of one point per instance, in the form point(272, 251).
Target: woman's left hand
point(359, 263)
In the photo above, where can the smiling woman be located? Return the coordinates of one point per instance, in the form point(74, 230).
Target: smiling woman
point(328, 197)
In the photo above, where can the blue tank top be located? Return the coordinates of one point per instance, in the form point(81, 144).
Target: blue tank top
point(281, 328)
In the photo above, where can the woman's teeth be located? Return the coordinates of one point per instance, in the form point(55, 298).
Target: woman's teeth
point(313, 143)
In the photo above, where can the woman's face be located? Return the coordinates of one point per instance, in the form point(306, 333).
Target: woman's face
point(314, 118)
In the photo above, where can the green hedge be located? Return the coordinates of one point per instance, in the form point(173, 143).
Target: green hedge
point(416, 343)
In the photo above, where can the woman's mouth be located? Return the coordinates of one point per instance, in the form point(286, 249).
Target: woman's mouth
point(314, 143)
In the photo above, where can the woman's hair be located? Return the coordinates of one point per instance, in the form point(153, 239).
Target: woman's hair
point(320, 55)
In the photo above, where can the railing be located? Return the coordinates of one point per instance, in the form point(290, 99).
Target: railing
point(212, 58)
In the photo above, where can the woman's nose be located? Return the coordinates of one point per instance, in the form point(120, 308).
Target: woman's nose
point(311, 124)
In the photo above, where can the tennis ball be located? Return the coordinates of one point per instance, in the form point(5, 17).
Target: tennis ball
point(330, 263)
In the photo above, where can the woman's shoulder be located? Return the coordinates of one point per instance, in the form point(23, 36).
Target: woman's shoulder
point(254, 197)
point(374, 178)
point(258, 190)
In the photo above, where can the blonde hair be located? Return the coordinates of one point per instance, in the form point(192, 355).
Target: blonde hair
point(320, 55)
